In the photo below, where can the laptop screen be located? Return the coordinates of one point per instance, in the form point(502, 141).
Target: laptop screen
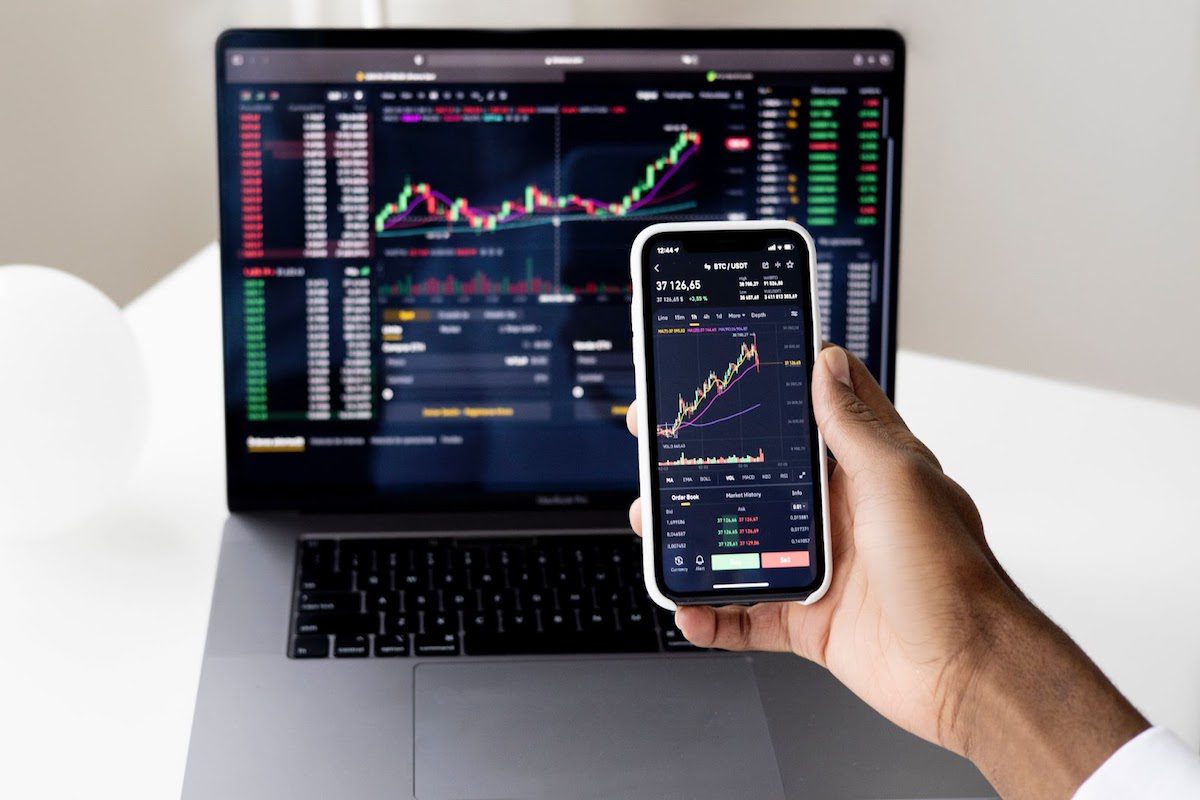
point(425, 240)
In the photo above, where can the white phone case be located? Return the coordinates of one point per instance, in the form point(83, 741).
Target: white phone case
point(646, 443)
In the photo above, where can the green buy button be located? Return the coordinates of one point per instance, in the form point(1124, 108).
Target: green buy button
point(735, 561)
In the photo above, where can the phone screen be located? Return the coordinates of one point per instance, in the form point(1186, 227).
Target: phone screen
point(728, 336)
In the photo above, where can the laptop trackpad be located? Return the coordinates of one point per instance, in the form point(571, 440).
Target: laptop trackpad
point(691, 726)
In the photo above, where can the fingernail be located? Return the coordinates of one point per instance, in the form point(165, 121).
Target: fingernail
point(839, 365)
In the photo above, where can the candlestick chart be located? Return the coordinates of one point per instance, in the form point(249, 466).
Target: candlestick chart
point(719, 397)
point(422, 207)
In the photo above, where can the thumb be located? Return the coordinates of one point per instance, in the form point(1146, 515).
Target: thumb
point(852, 412)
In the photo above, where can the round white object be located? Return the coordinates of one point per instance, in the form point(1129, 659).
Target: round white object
point(72, 400)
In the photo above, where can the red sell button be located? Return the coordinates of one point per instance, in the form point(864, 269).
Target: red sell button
point(737, 144)
point(796, 558)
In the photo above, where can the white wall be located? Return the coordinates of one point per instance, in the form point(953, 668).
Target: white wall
point(107, 154)
point(1052, 164)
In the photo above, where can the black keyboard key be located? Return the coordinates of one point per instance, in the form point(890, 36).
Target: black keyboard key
point(490, 643)
point(356, 554)
point(576, 553)
point(524, 640)
point(624, 643)
point(559, 624)
point(383, 601)
point(449, 580)
point(538, 598)
point(613, 597)
point(397, 624)
point(395, 556)
point(498, 599)
point(598, 621)
point(411, 579)
point(482, 577)
point(336, 623)
point(600, 576)
point(326, 581)
point(351, 645)
point(524, 578)
point(482, 620)
point(432, 622)
point(484, 643)
point(372, 582)
point(436, 644)
point(567, 578)
point(635, 620)
point(417, 601)
point(508, 557)
point(318, 555)
point(310, 647)
point(618, 557)
point(434, 556)
point(570, 598)
point(387, 646)
point(518, 623)
point(468, 560)
point(341, 602)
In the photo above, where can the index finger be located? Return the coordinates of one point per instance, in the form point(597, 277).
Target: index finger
point(631, 418)
point(866, 389)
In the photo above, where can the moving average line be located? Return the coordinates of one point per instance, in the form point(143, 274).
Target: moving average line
point(695, 424)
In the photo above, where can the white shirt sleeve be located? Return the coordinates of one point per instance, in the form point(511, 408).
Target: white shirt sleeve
point(1153, 764)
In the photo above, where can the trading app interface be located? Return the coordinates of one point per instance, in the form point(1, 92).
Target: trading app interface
point(735, 442)
point(425, 252)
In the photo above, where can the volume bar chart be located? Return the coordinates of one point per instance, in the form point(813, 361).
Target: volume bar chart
point(684, 461)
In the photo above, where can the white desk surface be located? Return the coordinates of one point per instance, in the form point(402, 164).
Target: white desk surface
point(1091, 500)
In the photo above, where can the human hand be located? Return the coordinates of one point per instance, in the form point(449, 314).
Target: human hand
point(920, 620)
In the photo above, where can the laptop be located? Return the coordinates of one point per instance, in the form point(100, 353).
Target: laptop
point(427, 587)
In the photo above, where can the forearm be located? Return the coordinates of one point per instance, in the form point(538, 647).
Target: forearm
point(1036, 715)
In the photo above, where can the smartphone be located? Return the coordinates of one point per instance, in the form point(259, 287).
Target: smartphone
point(726, 330)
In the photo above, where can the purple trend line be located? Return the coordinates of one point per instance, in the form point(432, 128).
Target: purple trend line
point(723, 419)
point(710, 402)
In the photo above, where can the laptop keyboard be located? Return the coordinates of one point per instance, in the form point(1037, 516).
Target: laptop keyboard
point(387, 598)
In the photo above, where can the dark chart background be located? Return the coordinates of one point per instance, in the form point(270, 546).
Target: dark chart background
point(426, 288)
point(746, 418)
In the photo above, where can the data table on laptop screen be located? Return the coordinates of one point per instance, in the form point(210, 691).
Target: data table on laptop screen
point(426, 252)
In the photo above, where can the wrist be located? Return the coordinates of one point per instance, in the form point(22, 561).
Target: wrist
point(1030, 709)
point(972, 683)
